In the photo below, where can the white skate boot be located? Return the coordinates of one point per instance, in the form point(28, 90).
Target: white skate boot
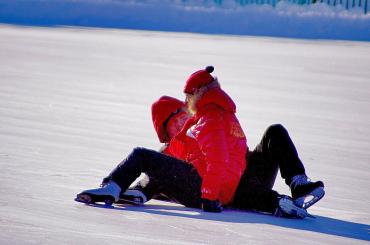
point(108, 193)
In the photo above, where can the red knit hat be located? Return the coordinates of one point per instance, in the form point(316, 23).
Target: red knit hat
point(161, 111)
point(198, 79)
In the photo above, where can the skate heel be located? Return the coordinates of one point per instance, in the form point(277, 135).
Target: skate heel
point(109, 201)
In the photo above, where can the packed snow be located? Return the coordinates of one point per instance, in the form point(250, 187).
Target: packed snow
point(315, 21)
point(74, 102)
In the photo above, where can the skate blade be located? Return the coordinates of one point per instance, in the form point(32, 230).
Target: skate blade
point(128, 199)
point(310, 199)
point(91, 199)
point(135, 202)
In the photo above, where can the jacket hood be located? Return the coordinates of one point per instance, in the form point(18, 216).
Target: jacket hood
point(217, 97)
point(162, 109)
point(214, 96)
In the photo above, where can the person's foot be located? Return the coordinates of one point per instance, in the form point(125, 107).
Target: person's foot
point(288, 209)
point(108, 193)
point(306, 193)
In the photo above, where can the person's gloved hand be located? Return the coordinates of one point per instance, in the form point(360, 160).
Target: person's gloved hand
point(211, 206)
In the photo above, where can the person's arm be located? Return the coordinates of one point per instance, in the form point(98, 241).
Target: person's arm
point(175, 149)
point(212, 142)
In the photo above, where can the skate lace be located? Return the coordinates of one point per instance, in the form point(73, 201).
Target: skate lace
point(299, 180)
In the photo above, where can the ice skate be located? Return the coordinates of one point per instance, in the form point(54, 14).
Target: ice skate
point(288, 209)
point(306, 193)
point(134, 197)
point(108, 193)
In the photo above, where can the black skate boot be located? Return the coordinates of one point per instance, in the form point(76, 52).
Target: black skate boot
point(107, 193)
point(288, 209)
point(306, 193)
point(132, 196)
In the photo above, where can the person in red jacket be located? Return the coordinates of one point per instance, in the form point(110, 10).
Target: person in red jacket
point(214, 147)
point(213, 139)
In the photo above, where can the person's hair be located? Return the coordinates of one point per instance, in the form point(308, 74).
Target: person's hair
point(199, 93)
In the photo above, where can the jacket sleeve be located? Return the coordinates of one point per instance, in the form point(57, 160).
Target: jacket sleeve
point(211, 139)
point(175, 149)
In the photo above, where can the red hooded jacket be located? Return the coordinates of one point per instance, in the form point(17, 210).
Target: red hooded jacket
point(214, 143)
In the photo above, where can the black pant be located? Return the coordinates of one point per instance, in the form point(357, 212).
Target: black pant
point(275, 151)
point(168, 176)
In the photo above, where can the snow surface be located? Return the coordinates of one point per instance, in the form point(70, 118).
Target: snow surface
point(74, 102)
point(316, 21)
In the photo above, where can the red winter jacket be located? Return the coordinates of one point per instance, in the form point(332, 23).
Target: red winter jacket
point(214, 143)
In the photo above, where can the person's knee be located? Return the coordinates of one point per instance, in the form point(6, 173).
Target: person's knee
point(145, 158)
point(138, 155)
point(138, 151)
point(276, 129)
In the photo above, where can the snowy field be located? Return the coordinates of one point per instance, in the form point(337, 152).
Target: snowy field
point(74, 102)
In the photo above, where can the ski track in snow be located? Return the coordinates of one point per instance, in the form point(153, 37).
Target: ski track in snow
point(74, 102)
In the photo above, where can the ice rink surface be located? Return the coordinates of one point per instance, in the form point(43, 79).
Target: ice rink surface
point(74, 102)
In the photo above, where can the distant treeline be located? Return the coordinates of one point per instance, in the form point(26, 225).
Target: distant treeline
point(348, 4)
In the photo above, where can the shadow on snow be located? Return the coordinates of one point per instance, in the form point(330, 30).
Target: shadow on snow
point(321, 224)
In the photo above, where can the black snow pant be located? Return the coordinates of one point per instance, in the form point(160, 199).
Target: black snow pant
point(275, 151)
point(177, 180)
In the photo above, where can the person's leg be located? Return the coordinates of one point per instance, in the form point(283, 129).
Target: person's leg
point(278, 151)
point(174, 178)
point(252, 195)
point(263, 170)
